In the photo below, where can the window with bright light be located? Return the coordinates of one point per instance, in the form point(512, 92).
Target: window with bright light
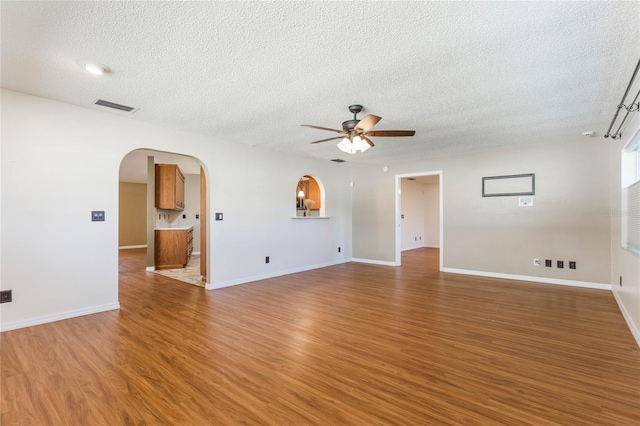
point(630, 212)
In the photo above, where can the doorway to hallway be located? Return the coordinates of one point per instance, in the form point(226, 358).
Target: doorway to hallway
point(419, 218)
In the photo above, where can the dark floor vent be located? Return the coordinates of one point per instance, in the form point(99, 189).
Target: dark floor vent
point(113, 105)
point(337, 160)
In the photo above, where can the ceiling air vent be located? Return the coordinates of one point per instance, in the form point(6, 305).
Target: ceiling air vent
point(113, 105)
point(337, 160)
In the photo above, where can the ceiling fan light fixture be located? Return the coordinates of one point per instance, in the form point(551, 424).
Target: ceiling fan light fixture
point(365, 146)
point(345, 145)
point(358, 143)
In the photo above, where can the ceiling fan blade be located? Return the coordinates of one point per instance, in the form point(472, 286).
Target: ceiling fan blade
point(367, 140)
point(324, 128)
point(391, 133)
point(330, 139)
point(368, 122)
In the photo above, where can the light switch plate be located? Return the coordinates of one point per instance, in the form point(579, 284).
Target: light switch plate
point(97, 216)
point(218, 216)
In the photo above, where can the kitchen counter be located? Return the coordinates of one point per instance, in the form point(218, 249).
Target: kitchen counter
point(184, 228)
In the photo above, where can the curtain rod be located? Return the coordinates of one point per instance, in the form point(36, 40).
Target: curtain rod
point(632, 107)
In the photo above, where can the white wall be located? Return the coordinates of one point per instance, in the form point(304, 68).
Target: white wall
point(413, 204)
point(61, 161)
point(624, 263)
point(431, 214)
point(567, 222)
point(192, 208)
point(420, 205)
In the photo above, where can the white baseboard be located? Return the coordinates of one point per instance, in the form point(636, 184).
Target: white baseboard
point(29, 322)
point(374, 262)
point(196, 253)
point(131, 247)
point(150, 268)
point(543, 280)
point(431, 246)
point(215, 286)
point(634, 329)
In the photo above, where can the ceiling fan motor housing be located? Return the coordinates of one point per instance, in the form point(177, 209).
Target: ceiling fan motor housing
point(349, 125)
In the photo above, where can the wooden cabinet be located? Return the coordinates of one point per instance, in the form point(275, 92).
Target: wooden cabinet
point(173, 247)
point(314, 193)
point(169, 187)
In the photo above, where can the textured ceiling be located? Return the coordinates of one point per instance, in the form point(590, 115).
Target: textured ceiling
point(467, 76)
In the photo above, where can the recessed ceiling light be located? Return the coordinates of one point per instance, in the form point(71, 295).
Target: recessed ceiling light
point(96, 69)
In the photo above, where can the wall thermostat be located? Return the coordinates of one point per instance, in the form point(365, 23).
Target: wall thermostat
point(525, 201)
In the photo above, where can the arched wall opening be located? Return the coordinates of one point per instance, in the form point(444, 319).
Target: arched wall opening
point(310, 197)
point(137, 208)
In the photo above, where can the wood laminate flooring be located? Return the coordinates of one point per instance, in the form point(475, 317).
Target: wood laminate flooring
point(351, 344)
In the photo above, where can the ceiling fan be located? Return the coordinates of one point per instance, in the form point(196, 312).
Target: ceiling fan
point(355, 133)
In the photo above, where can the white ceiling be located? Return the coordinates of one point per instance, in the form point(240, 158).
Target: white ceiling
point(467, 76)
point(424, 179)
point(134, 165)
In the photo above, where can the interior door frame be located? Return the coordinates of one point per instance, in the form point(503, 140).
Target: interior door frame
point(398, 212)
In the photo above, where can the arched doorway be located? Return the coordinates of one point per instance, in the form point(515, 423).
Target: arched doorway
point(165, 225)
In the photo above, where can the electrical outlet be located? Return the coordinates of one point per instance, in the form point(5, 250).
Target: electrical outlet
point(560, 264)
point(572, 264)
point(415, 238)
point(5, 296)
point(266, 259)
point(338, 249)
point(184, 216)
point(218, 216)
point(548, 263)
point(536, 262)
point(620, 280)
